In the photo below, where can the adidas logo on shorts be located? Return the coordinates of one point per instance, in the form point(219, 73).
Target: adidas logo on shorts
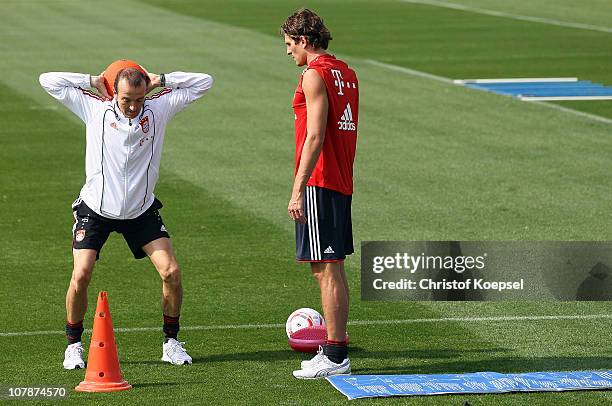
point(329, 250)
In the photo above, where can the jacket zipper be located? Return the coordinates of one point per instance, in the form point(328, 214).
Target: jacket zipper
point(126, 172)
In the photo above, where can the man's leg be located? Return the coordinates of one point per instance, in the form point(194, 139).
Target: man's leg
point(335, 301)
point(334, 297)
point(76, 305)
point(346, 287)
point(162, 256)
point(326, 213)
point(76, 297)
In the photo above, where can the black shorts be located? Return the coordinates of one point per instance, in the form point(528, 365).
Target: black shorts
point(90, 230)
point(327, 235)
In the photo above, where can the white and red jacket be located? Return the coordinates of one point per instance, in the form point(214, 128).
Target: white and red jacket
point(123, 155)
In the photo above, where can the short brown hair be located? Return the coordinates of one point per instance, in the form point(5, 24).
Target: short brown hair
point(134, 77)
point(307, 23)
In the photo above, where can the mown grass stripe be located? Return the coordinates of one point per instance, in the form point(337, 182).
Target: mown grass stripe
point(495, 13)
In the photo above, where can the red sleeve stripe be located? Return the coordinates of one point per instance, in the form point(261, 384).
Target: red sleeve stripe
point(92, 94)
point(157, 95)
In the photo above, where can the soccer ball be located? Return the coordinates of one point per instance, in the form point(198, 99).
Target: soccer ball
point(302, 318)
point(110, 73)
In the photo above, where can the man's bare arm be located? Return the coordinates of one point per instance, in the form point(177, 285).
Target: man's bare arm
point(316, 113)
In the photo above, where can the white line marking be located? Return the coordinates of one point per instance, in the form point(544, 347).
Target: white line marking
point(532, 19)
point(572, 111)
point(409, 71)
point(351, 323)
point(449, 81)
point(560, 98)
point(515, 80)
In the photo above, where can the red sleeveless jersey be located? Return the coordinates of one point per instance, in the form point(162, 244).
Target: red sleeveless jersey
point(334, 169)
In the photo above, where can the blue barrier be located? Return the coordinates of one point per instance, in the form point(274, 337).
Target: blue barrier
point(543, 89)
point(367, 386)
point(529, 85)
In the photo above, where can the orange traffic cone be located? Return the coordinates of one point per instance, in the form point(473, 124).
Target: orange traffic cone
point(103, 373)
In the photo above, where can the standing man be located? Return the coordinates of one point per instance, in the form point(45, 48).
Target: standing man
point(326, 106)
point(125, 137)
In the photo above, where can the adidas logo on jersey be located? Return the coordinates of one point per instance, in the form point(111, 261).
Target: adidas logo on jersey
point(329, 250)
point(346, 121)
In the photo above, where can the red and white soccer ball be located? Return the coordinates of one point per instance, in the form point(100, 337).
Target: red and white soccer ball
point(303, 318)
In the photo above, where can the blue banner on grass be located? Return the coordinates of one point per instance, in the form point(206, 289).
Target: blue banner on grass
point(369, 386)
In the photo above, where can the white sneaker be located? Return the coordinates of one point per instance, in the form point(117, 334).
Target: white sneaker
point(174, 353)
point(307, 363)
point(323, 367)
point(73, 356)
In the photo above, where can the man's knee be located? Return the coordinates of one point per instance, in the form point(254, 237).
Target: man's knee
point(316, 269)
point(319, 269)
point(81, 276)
point(170, 274)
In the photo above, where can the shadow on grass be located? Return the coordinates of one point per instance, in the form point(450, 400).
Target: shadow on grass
point(154, 384)
point(427, 354)
point(274, 355)
point(501, 364)
point(356, 353)
point(422, 361)
point(145, 362)
point(230, 357)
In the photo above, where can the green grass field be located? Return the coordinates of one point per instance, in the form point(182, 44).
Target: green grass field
point(435, 161)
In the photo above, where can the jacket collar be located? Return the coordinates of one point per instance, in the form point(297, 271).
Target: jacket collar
point(119, 114)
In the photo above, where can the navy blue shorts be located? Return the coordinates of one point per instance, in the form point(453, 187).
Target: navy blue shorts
point(327, 235)
point(90, 230)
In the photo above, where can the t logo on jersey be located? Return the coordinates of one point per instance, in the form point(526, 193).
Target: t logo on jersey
point(338, 80)
point(346, 120)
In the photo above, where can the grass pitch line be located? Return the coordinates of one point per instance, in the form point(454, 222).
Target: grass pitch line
point(515, 80)
point(351, 323)
point(409, 71)
point(541, 20)
point(442, 79)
